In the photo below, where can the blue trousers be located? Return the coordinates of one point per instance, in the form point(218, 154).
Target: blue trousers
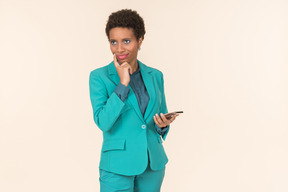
point(148, 181)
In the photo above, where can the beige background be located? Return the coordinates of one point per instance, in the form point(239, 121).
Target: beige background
point(225, 66)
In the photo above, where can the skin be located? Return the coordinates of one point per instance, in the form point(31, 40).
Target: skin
point(123, 42)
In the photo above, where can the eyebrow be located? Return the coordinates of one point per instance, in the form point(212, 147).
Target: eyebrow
point(127, 38)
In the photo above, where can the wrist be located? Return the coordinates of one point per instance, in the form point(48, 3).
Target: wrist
point(125, 83)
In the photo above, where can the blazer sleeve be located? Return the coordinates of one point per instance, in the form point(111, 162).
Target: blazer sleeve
point(164, 106)
point(106, 109)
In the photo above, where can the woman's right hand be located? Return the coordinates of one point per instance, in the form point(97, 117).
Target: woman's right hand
point(123, 71)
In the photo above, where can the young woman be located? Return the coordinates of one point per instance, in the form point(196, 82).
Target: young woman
point(128, 104)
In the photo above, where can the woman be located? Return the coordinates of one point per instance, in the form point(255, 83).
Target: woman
point(128, 104)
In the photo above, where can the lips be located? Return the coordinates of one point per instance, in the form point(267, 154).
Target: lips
point(121, 57)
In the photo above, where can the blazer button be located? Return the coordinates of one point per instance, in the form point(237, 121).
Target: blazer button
point(143, 126)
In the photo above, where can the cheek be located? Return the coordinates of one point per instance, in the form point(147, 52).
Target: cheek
point(112, 49)
point(133, 48)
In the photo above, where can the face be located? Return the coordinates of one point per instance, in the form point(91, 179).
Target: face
point(124, 44)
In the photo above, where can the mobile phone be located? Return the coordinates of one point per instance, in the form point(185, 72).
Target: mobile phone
point(169, 115)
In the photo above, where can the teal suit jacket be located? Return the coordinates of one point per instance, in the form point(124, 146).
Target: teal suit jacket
point(127, 135)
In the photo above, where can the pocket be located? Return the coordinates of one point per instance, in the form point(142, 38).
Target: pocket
point(105, 175)
point(115, 144)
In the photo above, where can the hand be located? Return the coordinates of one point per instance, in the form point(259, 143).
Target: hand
point(123, 71)
point(162, 121)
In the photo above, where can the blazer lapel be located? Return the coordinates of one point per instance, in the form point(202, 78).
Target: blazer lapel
point(132, 100)
point(149, 84)
point(113, 73)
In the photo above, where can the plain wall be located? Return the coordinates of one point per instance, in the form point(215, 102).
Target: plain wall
point(224, 64)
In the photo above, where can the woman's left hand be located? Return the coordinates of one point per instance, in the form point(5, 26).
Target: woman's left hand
point(162, 121)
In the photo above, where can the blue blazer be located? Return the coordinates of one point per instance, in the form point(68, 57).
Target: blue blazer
point(127, 135)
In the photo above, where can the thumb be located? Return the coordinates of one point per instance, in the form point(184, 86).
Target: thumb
point(115, 61)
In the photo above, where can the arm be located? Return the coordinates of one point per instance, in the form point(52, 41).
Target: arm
point(106, 109)
point(161, 131)
point(162, 122)
point(164, 110)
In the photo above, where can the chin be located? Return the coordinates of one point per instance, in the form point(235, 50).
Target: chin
point(122, 61)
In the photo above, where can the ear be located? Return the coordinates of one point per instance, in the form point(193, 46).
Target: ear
point(140, 42)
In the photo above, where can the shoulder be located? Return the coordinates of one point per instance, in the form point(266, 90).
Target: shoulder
point(153, 71)
point(101, 71)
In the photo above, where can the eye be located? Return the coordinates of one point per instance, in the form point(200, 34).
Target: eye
point(127, 41)
point(113, 42)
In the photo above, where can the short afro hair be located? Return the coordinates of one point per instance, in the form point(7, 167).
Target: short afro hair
point(126, 18)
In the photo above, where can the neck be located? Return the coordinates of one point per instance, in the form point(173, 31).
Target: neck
point(134, 66)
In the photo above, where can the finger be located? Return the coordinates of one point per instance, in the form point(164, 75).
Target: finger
point(163, 118)
point(128, 66)
point(115, 61)
point(168, 121)
point(173, 118)
point(160, 121)
point(169, 115)
point(156, 121)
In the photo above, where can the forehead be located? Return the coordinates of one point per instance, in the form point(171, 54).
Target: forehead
point(121, 33)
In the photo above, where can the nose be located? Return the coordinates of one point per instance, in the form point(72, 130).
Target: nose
point(120, 48)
